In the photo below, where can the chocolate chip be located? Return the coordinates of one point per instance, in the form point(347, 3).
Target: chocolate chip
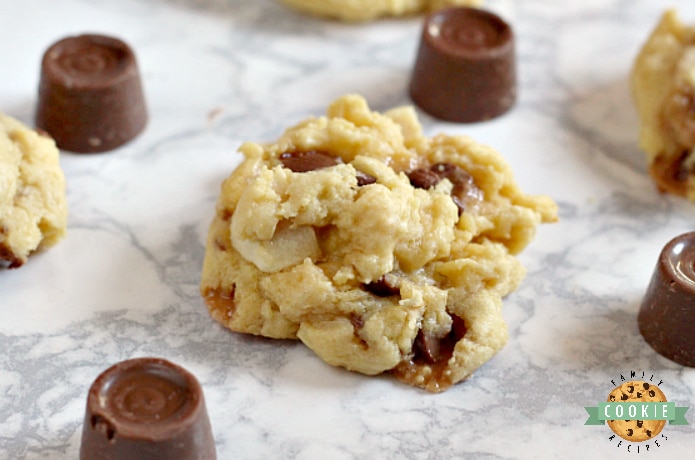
point(423, 178)
point(630, 388)
point(307, 161)
point(629, 431)
point(430, 349)
point(640, 423)
point(464, 191)
point(385, 286)
point(652, 393)
point(645, 385)
point(427, 347)
point(364, 179)
point(624, 397)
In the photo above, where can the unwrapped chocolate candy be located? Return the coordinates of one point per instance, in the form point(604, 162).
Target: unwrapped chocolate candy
point(90, 94)
point(667, 316)
point(146, 408)
point(465, 69)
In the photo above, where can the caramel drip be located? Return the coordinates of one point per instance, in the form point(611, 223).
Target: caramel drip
point(428, 365)
point(669, 175)
point(220, 304)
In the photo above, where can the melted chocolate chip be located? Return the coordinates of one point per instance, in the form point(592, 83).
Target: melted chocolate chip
point(430, 349)
point(365, 179)
point(423, 178)
point(464, 191)
point(307, 161)
point(385, 286)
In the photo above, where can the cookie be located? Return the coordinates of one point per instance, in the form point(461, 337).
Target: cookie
point(663, 88)
point(380, 249)
point(368, 10)
point(636, 391)
point(33, 208)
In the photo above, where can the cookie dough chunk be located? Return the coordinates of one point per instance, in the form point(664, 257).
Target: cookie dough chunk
point(637, 391)
point(382, 250)
point(663, 86)
point(33, 209)
point(368, 10)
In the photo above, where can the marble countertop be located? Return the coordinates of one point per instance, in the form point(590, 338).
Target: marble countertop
point(124, 282)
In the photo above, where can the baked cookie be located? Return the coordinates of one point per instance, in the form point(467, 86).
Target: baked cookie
point(33, 208)
point(636, 391)
point(368, 10)
point(380, 249)
point(663, 87)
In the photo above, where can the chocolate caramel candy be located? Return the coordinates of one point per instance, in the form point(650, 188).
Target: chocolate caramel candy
point(90, 94)
point(146, 408)
point(465, 70)
point(667, 316)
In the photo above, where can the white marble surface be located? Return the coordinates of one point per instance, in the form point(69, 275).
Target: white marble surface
point(124, 283)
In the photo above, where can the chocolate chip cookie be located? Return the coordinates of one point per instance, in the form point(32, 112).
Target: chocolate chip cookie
point(367, 10)
point(379, 248)
point(637, 391)
point(33, 208)
point(663, 87)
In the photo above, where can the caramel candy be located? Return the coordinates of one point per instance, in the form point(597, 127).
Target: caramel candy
point(90, 94)
point(667, 316)
point(465, 70)
point(146, 408)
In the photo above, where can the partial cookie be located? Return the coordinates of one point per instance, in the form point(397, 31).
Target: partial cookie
point(368, 10)
point(380, 249)
point(33, 208)
point(663, 86)
point(637, 391)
